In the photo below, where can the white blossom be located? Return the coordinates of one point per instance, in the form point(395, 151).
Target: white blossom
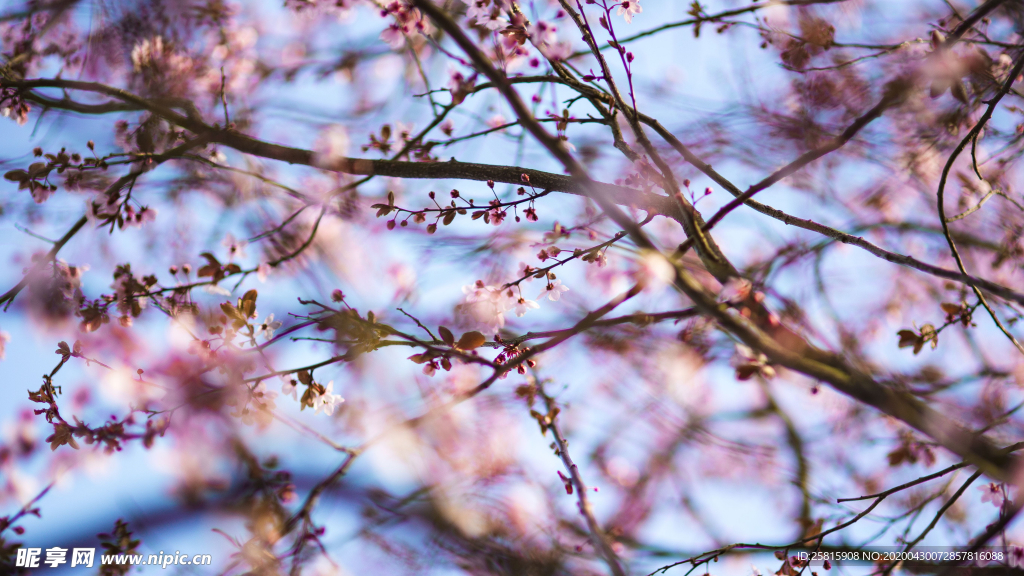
point(288, 388)
point(328, 400)
point(628, 8)
point(993, 493)
point(267, 327)
point(553, 291)
point(236, 247)
point(522, 305)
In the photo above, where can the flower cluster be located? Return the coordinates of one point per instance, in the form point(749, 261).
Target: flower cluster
point(483, 13)
point(749, 363)
point(317, 396)
point(544, 36)
point(486, 305)
point(512, 353)
point(407, 21)
point(161, 67)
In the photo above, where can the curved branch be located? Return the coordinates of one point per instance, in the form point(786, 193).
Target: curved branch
point(940, 199)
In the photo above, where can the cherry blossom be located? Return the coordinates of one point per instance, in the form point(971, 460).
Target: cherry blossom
point(628, 8)
point(70, 278)
point(477, 8)
point(993, 493)
point(522, 305)
point(543, 33)
point(496, 216)
point(408, 21)
point(394, 36)
point(558, 51)
point(288, 388)
point(553, 291)
point(328, 400)
point(267, 327)
point(263, 271)
point(100, 207)
point(263, 397)
point(41, 194)
point(236, 247)
point(332, 144)
point(460, 86)
point(1016, 557)
point(216, 290)
point(137, 219)
point(496, 121)
point(298, 124)
point(748, 363)
point(492, 20)
point(735, 290)
point(486, 305)
point(654, 271)
point(525, 271)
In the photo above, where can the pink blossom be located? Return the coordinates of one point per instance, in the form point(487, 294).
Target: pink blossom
point(330, 146)
point(263, 397)
point(263, 271)
point(137, 219)
point(496, 216)
point(217, 290)
point(477, 8)
point(749, 362)
point(460, 87)
point(525, 270)
point(236, 247)
point(100, 207)
point(486, 306)
point(993, 493)
point(492, 20)
point(41, 193)
point(70, 278)
point(328, 401)
point(522, 305)
point(654, 271)
point(1016, 557)
point(543, 33)
point(288, 388)
point(557, 51)
point(146, 215)
point(394, 35)
point(4, 339)
point(553, 291)
point(267, 327)
point(628, 8)
point(735, 290)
